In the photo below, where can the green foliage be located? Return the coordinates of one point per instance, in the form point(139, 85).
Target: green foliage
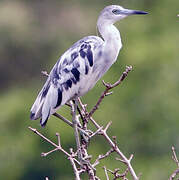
point(144, 109)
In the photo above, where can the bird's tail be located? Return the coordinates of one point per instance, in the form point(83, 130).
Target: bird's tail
point(47, 102)
point(36, 109)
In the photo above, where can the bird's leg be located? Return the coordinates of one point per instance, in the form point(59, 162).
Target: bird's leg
point(75, 126)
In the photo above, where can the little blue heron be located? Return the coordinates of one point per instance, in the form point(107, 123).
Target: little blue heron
point(82, 65)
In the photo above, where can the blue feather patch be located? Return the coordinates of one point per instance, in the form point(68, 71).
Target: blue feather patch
point(59, 100)
point(74, 55)
point(69, 83)
point(45, 90)
point(82, 53)
point(86, 69)
point(76, 73)
point(90, 56)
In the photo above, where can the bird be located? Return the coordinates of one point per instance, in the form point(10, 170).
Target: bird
point(82, 65)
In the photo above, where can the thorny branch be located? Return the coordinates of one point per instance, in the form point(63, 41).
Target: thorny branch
point(82, 164)
point(117, 175)
point(175, 159)
point(109, 87)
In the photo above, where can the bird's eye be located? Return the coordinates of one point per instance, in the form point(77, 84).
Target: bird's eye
point(116, 11)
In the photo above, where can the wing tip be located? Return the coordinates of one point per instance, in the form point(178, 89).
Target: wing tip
point(43, 123)
point(32, 116)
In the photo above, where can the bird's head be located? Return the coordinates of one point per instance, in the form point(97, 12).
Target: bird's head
point(114, 13)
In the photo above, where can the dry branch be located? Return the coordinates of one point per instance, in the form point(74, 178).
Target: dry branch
point(175, 159)
point(82, 162)
point(108, 88)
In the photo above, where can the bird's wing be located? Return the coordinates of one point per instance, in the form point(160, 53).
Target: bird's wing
point(64, 79)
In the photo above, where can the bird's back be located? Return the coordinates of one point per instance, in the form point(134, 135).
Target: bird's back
point(72, 75)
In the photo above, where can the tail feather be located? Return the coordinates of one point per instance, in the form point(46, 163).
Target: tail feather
point(36, 110)
point(50, 103)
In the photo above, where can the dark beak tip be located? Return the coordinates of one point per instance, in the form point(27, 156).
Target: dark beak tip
point(140, 12)
point(146, 13)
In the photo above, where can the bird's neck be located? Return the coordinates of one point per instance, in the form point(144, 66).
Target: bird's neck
point(112, 39)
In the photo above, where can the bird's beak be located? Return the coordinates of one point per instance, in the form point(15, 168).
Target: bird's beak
point(133, 12)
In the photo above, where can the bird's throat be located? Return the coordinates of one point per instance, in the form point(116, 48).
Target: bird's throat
point(112, 40)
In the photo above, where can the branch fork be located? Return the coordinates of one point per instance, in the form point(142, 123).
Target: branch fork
point(81, 160)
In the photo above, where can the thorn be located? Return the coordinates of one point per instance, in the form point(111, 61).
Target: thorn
point(121, 160)
point(43, 154)
point(128, 68)
point(109, 93)
point(131, 157)
point(32, 129)
point(116, 170)
point(109, 124)
point(114, 137)
point(59, 141)
point(97, 132)
point(45, 73)
point(107, 85)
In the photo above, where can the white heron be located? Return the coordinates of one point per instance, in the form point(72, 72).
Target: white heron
point(81, 66)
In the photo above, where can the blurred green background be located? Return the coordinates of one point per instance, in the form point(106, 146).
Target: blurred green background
point(143, 109)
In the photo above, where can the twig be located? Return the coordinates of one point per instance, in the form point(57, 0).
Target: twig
point(46, 139)
point(52, 143)
point(77, 174)
point(174, 174)
point(117, 175)
point(175, 159)
point(101, 156)
point(75, 126)
point(106, 173)
point(104, 132)
point(116, 149)
point(63, 119)
point(174, 156)
point(84, 164)
point(69, 123)
point(45, 73)
point(46, 154)
point(109, 87)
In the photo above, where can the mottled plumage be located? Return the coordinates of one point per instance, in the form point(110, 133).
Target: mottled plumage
point(81, 66)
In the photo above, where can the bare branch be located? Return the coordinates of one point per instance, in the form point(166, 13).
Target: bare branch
point(63, 119)
point(117, 150)
point(77, 174)
point(106, 173)
point(175, 159)
point(58, 138)
point(46, 154)
point(117, 175)
point(86, 134)
point(69, 123)
point(52, 143)
point(75, 126)
point(174, 174)
point(101, 156)
point(109, 124)
point(58, 147)
point(109, 87)
point(174, 156)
